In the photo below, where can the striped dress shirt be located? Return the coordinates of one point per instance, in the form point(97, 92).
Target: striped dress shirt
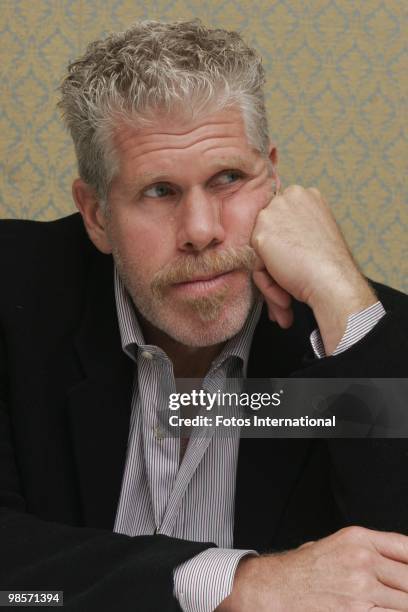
point(194, 499)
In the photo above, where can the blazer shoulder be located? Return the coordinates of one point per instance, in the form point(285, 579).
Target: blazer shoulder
point(40, 257)
point(27, 240)
point(31, 231)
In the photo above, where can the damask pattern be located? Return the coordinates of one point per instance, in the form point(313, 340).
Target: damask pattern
point(336, 94)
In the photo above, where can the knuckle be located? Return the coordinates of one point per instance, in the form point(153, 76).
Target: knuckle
point(258, 239)
point(353, 533)
point(293, 189)
point(363, 557)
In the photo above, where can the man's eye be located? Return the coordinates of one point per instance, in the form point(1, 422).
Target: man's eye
point(160, 190)
point(228, 177)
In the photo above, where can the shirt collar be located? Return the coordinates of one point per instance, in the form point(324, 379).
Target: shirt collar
point(132, 336)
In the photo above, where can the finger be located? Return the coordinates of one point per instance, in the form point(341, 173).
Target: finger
point(393, 574)
point(315, 192)
point(293, 189)
point(306, 544)
point(390, 598)
point(271, 315)
point(390, 545)
point(283, 316)
point(271, 289)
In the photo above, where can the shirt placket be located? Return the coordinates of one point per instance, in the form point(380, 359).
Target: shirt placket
point(135, 519)
point(196, 449)
point(161, 452)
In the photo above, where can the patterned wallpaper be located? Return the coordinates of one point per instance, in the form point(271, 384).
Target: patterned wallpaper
point(337, 77)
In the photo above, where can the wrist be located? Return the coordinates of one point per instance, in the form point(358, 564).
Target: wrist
point(239, 596)
point(333, 306)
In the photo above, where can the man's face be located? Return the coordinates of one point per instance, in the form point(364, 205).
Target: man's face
point(181, 212)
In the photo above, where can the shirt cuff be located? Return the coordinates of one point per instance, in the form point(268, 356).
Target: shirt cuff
point(203, 582)
point(359, 325)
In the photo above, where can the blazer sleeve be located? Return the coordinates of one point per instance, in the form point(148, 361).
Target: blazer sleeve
point(382, 353)
point(96, 569)
point(369, 476)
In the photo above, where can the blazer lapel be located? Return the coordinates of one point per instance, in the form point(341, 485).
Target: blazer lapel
point(268, 469)
point(100, 404)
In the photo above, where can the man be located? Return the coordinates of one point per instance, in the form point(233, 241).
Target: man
point(212, 276)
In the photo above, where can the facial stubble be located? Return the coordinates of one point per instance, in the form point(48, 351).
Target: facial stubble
point(155, 305)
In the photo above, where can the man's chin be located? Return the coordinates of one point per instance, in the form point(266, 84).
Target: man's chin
point(202, 326)
point(208, 335)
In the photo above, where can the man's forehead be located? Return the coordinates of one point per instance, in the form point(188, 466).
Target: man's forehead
point(212, 163)
point(155, 151)
point(178, 130)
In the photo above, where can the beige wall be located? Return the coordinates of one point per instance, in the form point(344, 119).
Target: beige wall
point(336, 83)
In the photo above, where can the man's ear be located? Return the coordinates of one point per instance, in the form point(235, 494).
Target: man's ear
point(273, 156)
point(93, 216)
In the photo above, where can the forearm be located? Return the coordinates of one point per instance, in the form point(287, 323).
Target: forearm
point(333, 308)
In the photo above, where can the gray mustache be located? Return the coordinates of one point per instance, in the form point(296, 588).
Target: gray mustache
point(210, 263)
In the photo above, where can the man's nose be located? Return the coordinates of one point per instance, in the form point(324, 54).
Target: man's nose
point(199, 222)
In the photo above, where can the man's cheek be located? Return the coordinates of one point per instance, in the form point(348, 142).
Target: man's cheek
point(260, 192)
point(139, 245)
point(239, 220)
point(249, 202)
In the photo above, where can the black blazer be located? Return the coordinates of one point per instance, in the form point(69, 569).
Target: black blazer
point(65, 398)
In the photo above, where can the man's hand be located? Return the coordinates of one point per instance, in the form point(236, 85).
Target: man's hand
point(353, 570)
point(302, 253)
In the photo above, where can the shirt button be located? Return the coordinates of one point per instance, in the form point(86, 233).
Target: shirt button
point(147, 355)
point(158, 433)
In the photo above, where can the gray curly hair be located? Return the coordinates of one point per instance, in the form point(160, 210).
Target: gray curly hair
point(157, 67)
